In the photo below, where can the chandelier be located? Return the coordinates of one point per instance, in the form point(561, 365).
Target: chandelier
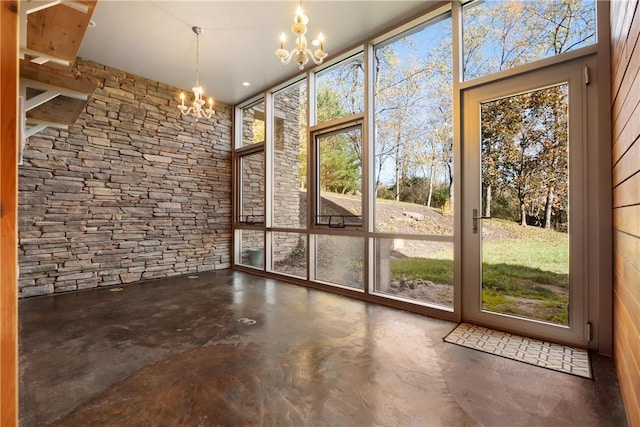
point(196, 109)
point(301, 53)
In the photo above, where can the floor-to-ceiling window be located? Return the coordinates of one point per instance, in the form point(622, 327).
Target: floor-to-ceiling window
point(413, 169)
point(288, 159)
point(392, 175)
point(250, 186)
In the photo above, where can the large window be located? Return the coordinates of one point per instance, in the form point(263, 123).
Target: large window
point(499, 34)
point(338, 180)
point(415, 270)
point(289, 254)
point(250, 248)
point(414, 120)
point(252, 188)
point(414, 163)
point(289, 150)
point(340, 90)
point(356, 174)
point(339, 260)
point(252, 124)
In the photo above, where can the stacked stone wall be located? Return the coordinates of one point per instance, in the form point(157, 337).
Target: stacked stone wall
point(287, 144)
point(286, 158)
point(132, 191)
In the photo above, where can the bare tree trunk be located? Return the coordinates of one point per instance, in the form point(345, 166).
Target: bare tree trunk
point(523, 214)
point(487, 206)
point(547, 208)
point(378, 178)
point(430, 183)
point(397, 197)
point(449, 206)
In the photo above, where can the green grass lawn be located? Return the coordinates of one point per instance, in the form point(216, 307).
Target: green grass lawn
point(530, 268)
point(435, 270)
point(526, 275)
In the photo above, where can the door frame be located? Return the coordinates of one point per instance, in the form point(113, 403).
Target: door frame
point(575, 73)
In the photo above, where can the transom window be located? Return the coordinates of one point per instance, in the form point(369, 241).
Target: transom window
point(340, 90)
point(499, 35)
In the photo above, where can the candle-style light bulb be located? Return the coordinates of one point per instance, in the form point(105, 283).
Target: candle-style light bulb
point(283, 38)
point(321, 39)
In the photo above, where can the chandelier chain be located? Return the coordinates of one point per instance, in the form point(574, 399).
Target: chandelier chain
point(197, 108)
point(197, 57)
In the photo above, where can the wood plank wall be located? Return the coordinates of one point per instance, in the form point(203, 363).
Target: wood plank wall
point(625, 73)
point(8, 214)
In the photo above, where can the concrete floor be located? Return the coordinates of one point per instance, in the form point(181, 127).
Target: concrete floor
point(175, 352)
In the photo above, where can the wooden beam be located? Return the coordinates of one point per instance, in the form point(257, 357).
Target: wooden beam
point(58, 30)
point(44, 87)
point(63, 94)
point(61, 110)
point(48, 76)
point(9, 213)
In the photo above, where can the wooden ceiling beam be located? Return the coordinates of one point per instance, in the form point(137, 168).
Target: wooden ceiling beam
point(55, 29)
point(60, 90)
point(44, 77)
point(51, 95)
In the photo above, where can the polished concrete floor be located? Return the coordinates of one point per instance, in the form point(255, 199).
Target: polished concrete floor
point(185, 352)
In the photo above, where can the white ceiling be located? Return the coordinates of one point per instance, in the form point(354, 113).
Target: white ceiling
point(154, 39)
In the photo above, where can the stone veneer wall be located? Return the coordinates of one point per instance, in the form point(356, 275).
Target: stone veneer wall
point(132, 191)
point(289, 136)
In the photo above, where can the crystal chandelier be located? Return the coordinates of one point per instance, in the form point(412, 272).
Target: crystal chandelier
point(301, 53)
point(196, 109)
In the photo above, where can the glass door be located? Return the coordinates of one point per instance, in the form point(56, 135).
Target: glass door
point(522, 217)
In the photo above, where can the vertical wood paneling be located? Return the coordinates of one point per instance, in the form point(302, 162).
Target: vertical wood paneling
point(625, 71)
point(8, 214)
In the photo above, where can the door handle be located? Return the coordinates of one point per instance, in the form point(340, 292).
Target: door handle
point(475, 220)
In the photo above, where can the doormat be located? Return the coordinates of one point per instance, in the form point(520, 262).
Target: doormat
point(556, 357)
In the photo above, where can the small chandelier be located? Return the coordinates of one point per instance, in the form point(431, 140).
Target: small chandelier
point(196, 109)
point(301, 53)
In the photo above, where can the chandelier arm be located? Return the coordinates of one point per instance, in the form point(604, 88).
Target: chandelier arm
point(316, 59)
point(287, 58)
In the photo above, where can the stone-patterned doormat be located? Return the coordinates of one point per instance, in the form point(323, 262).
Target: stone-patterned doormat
point(557, 357)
